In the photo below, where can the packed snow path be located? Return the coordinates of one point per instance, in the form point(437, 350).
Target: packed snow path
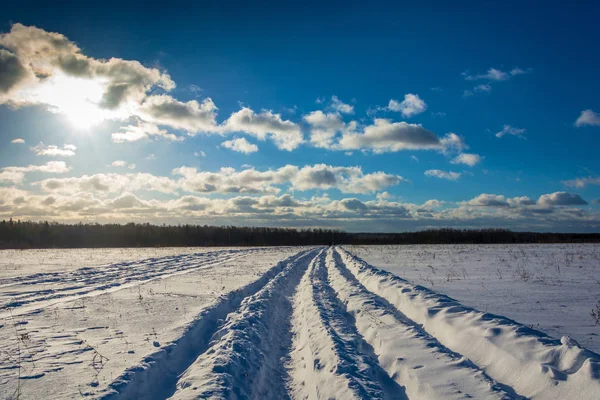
point(324, 324)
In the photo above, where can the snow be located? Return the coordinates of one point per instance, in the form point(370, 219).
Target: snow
point(329, 358)
point(531, 363)
point(82, 344)
point(407, 352)
point(310, 323)
point(548, 287)
point(244, 359)
point(23, 262)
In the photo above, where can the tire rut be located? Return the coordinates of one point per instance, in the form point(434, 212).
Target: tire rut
point(157, 378)
point(247, 354)
point(410, 355)
point(330, 359)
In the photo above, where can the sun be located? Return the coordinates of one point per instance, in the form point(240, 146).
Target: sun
point(76, 98)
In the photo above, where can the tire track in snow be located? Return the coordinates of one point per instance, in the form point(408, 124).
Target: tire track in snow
point(412, 357)
point(157, 376)
point(329, 358)
point(246, 358)
point(87, 282)
point(534, 364)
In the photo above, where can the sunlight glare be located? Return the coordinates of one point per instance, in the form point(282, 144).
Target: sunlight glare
point(75, 98)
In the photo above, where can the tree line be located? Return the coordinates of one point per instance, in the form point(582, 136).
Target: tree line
point(27, 234)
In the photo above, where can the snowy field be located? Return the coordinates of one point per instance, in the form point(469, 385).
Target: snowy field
point(553, 288)
point(289, 322)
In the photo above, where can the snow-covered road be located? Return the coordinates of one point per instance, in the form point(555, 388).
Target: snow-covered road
point(321, 323)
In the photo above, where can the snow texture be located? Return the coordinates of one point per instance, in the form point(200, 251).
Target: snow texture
point(274, 323)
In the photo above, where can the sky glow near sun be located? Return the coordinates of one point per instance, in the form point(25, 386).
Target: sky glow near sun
point(75, 98)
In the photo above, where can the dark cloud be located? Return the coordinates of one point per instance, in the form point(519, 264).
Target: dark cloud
point(11, 71)
point(354, 205)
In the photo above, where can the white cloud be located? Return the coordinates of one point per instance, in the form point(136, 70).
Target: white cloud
point(433, 203)
point(330, 132)
point(324, 128)
point(199, 154)
point(410, 106)
point(467, 158)
point(195, 89)
point(494, 74)
point(387, 136)
point(582, 182)
point(122, 164)
point(588, 118)
point(340, 106)
point(51, 167)
point(544, 205)
point(521, 201)
point(191, 116)
point(18, 141)
point(126, 201)
point(11, 176)
point(488, 200)
point(482, 88)
point(510, 130)
point(319, 176)
point(346, 179)
point(17, 174)
point(240, 145)
point(74, 84)
point(286, 134)
point(196, 117)
point(451, 142)
point(348, 213)
point(436, 173)
point(108, 183)
point(519, 71)
point(89, 90)
point(143, 130)
point(227, 180)
point(68, 150)
point(561, 199)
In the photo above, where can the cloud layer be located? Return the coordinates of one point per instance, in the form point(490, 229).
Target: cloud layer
point(288, 210)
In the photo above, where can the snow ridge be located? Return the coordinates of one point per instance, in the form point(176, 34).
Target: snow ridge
point(532, 363)
point(157, 376)
point(414, 358)
point(327, 360)
point(246, 356)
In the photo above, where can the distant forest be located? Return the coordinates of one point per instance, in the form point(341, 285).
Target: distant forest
point(25, 234)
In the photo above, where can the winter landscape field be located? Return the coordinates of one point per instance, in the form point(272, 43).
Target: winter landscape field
point(521, 321)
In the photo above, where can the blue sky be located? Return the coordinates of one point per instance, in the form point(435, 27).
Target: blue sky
point(389, 118)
